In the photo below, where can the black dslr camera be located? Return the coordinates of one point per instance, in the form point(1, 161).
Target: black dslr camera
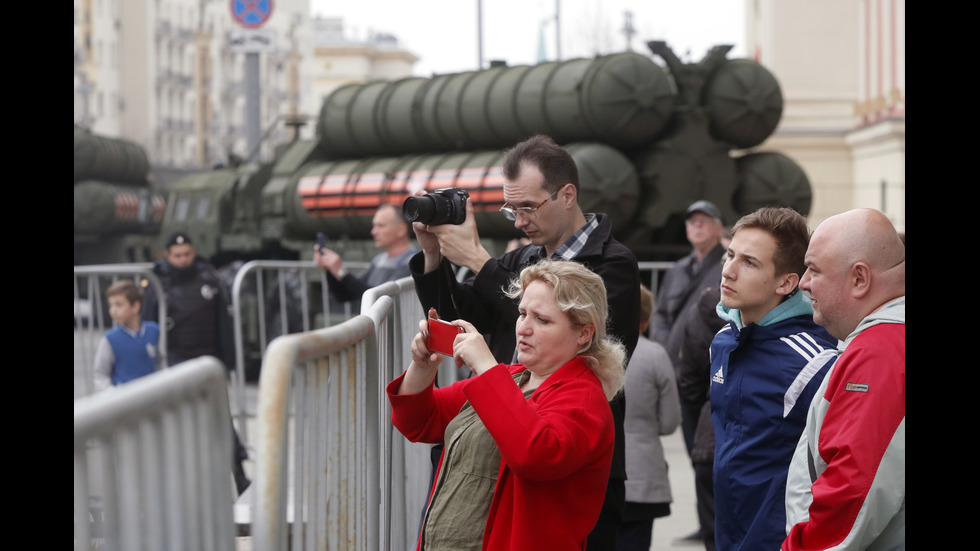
point(442, 206)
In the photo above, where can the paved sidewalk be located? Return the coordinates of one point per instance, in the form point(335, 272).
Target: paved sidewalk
point(683, 517)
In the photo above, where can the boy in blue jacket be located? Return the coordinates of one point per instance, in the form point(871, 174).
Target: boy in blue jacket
point(766, 365)
point(128, 350)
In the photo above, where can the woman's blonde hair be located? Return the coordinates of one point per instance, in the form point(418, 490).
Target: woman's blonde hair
point(581, 295)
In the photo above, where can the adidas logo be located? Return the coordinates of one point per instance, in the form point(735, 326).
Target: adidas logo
point(718, 377)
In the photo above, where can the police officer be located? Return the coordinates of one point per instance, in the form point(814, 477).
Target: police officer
point(198, 321)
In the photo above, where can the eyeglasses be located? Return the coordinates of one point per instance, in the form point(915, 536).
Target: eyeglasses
point(528, 213)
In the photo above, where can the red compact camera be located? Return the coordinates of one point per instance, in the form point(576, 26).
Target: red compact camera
point(441, 336)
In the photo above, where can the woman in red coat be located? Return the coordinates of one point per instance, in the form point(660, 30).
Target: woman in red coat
point(528, 447)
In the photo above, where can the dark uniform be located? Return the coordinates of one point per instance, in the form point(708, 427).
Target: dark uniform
point(198, 324)
point(198, 321)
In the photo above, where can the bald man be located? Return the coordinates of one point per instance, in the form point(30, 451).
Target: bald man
point(846, 484)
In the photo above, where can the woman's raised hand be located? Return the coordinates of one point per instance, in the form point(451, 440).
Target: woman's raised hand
point(425, 363)
point(471, 349)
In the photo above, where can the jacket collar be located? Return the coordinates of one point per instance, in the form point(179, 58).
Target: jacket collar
point(574, 369)
point(890, 312)
point(594, 245)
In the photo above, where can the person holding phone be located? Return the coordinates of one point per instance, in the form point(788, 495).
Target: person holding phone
point(527, 447)
point(541, 199)
point(391, 234)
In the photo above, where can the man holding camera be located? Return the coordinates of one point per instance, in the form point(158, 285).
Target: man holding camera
point(541, 198)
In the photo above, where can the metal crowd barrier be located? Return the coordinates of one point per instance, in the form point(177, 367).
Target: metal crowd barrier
point(92, 317)
point(285, 307)
point(406, 482)
point(324, 442)
point(331, 472)
point(650, 274)
point(318, 430)
point(271, 298)
point(153, 463)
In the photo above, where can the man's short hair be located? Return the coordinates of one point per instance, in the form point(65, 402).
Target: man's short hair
point(398, 212)
point(554, 162)
point(126, 288)
point(790, 231)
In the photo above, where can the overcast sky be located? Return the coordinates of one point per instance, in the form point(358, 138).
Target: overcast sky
point(443, 33)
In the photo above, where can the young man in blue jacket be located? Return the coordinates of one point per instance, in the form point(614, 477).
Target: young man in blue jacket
point(766, 365)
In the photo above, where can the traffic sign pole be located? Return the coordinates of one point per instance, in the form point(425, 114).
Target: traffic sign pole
point(252, 14)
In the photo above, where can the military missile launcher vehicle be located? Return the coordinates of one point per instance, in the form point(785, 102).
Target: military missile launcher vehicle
point(648, 138)
point(117, 213)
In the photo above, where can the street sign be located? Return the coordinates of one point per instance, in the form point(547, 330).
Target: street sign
point(248, 41)
point(251, 14)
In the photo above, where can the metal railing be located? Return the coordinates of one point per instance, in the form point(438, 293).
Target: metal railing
point(270, 298)
point(324, 444)
point(650, 274)
point(92, 317)
point(330, 470)
point(318, 466)
point(406, 478)
point(153, 463)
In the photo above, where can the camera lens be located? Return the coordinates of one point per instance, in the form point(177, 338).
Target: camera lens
point(419, 209)
point(442, 206)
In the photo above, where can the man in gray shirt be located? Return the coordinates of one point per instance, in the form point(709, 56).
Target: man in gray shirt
point(390, 233)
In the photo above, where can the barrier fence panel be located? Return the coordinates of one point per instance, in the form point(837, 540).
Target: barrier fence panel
point(92, 315)
point(405, 484)
point(331, 472)
point(270, 298)
point(152, 463)
point(317, 461)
